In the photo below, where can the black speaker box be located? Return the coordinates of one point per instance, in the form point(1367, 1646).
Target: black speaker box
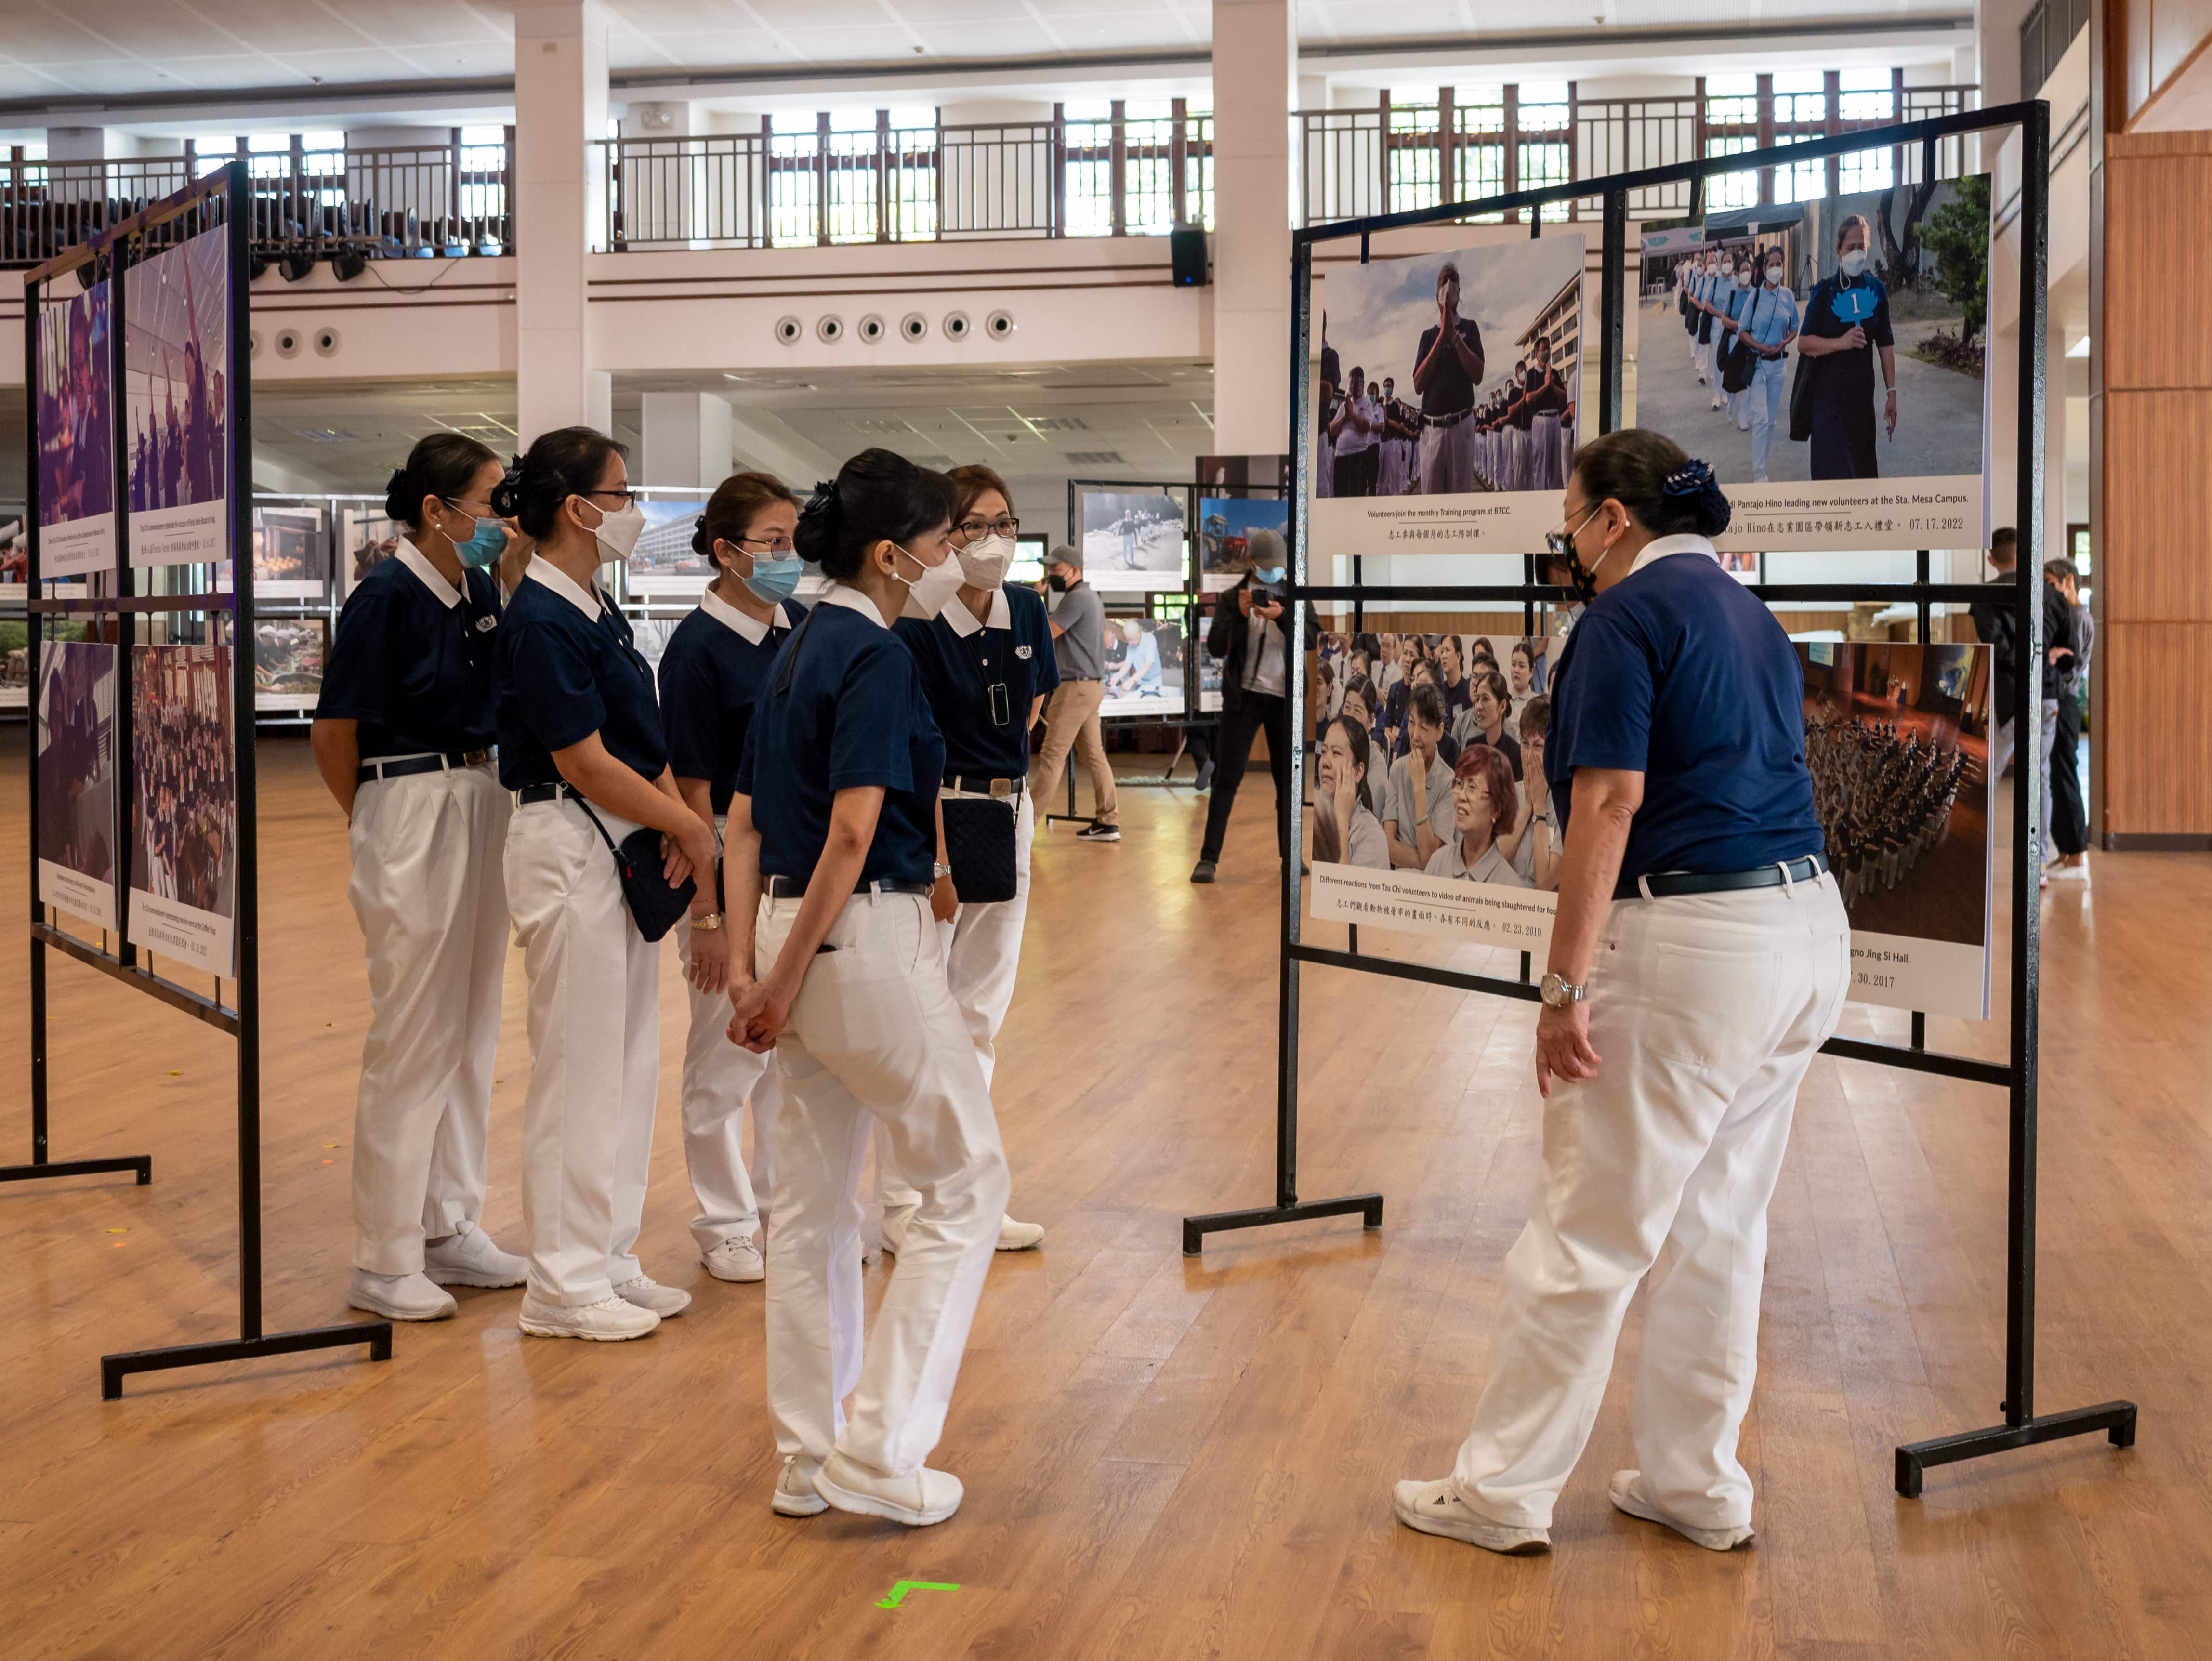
point(1186, 249)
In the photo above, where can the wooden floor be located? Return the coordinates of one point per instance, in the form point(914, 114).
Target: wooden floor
point(1164, 1457)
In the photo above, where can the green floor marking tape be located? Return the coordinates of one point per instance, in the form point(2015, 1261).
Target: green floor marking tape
point(900, 1590)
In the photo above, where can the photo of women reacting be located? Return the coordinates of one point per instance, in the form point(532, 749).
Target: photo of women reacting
point(1345, 830)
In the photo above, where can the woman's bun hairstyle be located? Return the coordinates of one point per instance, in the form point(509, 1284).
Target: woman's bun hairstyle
point(736, 501)
point(441, 464)
point(563, 463)
point(878, 496)
point(1666, 491)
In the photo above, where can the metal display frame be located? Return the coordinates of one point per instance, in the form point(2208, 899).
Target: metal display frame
point(2017, 1076)
point(117, 612)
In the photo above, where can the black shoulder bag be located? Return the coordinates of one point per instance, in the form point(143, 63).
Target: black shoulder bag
point(979, 831)
point(654, 905)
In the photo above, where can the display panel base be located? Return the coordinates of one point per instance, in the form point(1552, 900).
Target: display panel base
point(2116, 1419)
point(1195, 1229)
point(141, 1163)
point(377, 1335)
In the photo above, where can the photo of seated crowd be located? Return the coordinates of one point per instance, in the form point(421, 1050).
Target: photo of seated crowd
point(1898, 740)
point(76, 757)
point(1429, 756)
point(185, 779)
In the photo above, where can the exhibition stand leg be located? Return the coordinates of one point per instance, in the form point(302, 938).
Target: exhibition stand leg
point(40, 1165)
point(2017, 1074)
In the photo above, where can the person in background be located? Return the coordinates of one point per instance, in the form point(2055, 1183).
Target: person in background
point(1416, 810)
point(1071, 715)
point(1353, 437)
point(1329, 381)
point(837, 880)
point(1770, 326)
point(1486, 717)
point(1412, 649)
point(1346, 829)
point(2069, 812)
point(582, 745)
point(402, 737)
point(1448, 365)
point(711, 676)
point(1483, 801)
point(1451, 676)
point(1532, 844)
point(1677, 751)
point(1735, 303)
point(1246, 634)
point(986, 668)
point(2065, 836)
point(1846, 326)
point(1138, 673)
point(1996, 627)
point(1358, 705)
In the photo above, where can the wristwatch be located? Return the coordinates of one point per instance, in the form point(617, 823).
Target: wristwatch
point(1558, 992)
point(941, 872)
point(707, 922)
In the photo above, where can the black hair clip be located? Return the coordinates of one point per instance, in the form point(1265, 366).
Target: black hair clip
point(1693, 478)
point(397, 481)
point(822, 501)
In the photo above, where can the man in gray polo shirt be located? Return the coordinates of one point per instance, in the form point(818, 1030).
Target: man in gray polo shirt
point(1078, 636)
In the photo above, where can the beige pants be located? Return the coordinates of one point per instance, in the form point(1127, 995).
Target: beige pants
point(1071, 720)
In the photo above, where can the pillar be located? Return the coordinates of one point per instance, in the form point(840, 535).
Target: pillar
point(560, 201)
point(687, 439)
point(1255, 62)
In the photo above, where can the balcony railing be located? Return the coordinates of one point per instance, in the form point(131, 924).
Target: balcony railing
point(377, 203)
point(1390, 158)
point(1115, 175)
point(2046, 33)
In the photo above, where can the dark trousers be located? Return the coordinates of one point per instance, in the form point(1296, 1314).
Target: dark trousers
point(1843, 433)
point(1356, 473)
point(1255, 712)
point(2069, 813)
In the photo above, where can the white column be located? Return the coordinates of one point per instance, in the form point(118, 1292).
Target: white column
point(687, 439)
point(560, 192)
point(1255, 64)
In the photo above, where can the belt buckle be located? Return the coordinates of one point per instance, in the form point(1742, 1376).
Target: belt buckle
point(1002, 787)
point(475, 758)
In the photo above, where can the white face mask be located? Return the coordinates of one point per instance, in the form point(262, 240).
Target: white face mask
point(1774, 277)
point(1854, 262)
point(928, 593)
point(618, 531)
point(1743, 279)
point(983, 562)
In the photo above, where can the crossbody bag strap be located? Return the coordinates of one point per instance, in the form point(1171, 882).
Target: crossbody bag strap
point(621, 863)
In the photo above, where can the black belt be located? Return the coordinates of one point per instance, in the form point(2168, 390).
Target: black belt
point(1667, 885)
point(531, 792)
point(985, 786)
point(1451, 418)
point(791, 888)
point(372, 769)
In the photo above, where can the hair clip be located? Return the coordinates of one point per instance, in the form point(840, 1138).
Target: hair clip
point(823, 499)
point(1693, 478)
point(397, 481)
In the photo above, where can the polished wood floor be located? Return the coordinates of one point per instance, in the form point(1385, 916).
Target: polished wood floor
point(1164, 1457)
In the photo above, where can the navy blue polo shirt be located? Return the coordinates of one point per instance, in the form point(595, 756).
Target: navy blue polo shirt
point(986, 733)
point(1678, 673)
point(711, 674)
point(569, 667)
point(853, 715)
point(412, 659)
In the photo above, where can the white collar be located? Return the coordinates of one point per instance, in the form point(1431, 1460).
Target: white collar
point(1659, 547)
point(962, 621)
point(431, 577)
point(728, 615)
point(844, 594)
point(545, 571)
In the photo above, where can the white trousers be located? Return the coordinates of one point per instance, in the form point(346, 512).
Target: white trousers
point(719, 1079)
point(426, 887)
point(1767, 393)
point(982, 951)
point(1707, 1010)
point(1448, 460)
point(594, 1052)
point(874, 1034)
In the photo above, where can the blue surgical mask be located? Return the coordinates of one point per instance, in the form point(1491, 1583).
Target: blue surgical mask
point(1268, 573)
point(485, 543)
point(774, 580)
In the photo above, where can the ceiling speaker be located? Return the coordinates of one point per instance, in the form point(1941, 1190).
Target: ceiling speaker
point(955, 325)
point(1000, 326)
point(914, 325)
point(872, 328)
point(788, 330)
point(829, 329)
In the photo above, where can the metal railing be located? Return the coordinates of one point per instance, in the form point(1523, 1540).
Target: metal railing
point(1391, 158)
point(2046, 33)
point(377, 204)
point(1115, 175)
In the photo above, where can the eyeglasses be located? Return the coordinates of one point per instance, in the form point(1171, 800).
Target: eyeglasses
point(1005, 525)
point(775, 545)
point(627, 498)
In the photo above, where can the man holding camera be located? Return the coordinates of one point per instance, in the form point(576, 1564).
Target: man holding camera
point(1247, 636)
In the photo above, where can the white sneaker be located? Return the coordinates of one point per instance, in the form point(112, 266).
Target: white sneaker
point(2059, 871)
point(1436, 1508)
point(895, 1221)
point(794, 1493)
point(470, 1257)
point(1626, 1490)
point(1017, 1237)
point(736, 1259)
point(648, 1293)
point(926, 1497)
point(610, 1320)
point(399, 1297)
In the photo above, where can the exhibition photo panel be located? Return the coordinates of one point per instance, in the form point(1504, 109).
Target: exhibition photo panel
point(75, 436)
point(177, 409)
point(1144, 668)
point(1133, 539)
point(76, 716)
point(1446, 399)
point(1771, 339)
point(1225, 525)
point(184, 865)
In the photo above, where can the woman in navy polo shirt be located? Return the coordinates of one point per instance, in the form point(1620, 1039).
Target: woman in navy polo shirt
point(1699, 960)
point(833, 875)
point(402, 737)
point(1846, 328)
point(987, 667)
point(580, 740)
point(710, 676)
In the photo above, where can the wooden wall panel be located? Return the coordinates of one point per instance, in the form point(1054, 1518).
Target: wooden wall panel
point(2157, 220)
point(2158, 763)
point(2177, 31)
point(2157, 540)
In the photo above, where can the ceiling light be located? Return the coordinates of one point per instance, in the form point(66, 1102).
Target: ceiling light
point(294, 266)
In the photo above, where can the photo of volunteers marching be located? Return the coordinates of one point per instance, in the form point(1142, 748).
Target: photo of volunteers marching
point(1132, 540)
point(1447, 377)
